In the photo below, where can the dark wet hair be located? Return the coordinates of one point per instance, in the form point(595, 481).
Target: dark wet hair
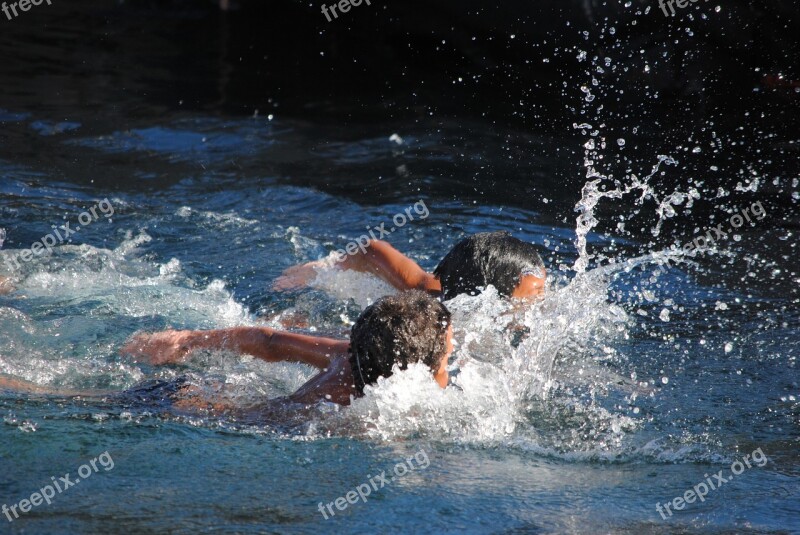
point(495, 258)
point(398, 329)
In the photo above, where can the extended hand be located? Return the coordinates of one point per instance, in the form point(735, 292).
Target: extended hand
point(167, 347)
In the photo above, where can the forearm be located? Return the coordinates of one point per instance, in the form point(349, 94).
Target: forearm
point(313, 350)
point(246, 340)
point(26, 387)
point(387, 263)
point(268, 344)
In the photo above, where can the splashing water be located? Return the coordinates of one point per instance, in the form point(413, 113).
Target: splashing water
point(592, 194)
point(546, 377)
point(509, 360)
point(506, 364)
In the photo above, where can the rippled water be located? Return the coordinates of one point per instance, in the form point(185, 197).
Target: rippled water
point(646, 369)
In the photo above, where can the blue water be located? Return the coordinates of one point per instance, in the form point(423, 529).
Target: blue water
point(644, 372)
point(591, 448)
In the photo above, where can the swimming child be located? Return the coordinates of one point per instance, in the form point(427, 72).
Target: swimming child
point(512, 266)
point(396, 330)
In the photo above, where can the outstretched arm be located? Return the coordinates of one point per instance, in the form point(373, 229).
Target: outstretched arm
point(262, 342)
point(380, 259)
point(21, 386)
point(389, 264)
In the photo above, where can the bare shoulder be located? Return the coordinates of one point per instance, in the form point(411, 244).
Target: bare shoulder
point(334, 383)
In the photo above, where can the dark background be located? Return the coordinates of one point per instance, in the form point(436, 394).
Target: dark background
point(498, 86)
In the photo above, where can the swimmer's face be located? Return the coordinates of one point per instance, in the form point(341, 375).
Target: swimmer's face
point(441, 375)
point(529, 288)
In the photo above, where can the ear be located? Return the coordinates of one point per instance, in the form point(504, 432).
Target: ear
point(529, 286)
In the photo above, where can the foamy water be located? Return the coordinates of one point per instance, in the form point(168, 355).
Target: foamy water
point(518, 372)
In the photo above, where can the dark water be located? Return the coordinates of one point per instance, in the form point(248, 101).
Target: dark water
point(233, 145)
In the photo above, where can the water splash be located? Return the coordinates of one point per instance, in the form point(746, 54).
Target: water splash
point(62, 306)
point(592, 193)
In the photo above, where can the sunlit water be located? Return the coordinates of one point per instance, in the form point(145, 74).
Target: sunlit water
point(645, 369)
point(619, 390)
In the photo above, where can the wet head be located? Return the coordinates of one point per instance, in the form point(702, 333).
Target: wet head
point(511, 265)
point(399, 330)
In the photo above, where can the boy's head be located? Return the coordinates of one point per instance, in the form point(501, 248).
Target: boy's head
point(512, 266)
point(400, 329)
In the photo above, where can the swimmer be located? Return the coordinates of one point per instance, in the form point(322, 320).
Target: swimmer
point(512, 266)
point(396, 330)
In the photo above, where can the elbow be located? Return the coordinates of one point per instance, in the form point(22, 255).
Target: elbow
point(430, 283)
point(268, 338)
point(265, 345)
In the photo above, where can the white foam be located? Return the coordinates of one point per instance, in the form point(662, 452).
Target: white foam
point(362, 288)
